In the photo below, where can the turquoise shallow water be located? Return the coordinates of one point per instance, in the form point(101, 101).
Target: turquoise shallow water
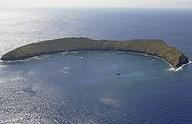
point(85, 87)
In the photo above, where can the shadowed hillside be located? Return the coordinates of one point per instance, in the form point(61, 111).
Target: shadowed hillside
point(152, 47)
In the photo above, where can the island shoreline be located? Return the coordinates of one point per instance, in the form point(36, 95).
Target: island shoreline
point(155, 48)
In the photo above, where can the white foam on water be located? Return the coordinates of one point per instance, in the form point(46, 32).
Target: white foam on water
point(146, 55)
point(190, 62)
point(172, 69)
point(180, 68)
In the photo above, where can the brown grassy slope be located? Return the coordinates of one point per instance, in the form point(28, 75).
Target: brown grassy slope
point(152, 47)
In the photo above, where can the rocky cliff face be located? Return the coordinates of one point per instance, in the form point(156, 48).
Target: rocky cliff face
point(152, 47)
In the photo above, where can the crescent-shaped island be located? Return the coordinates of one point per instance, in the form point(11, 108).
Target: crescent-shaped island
point(153, 47)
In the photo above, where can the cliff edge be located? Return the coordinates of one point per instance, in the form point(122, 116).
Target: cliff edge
point(151, 47)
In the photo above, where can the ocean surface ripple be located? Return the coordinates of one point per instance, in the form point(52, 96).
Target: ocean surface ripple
point(94, 87)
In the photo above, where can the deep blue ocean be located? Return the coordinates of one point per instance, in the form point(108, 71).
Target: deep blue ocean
point(84, 87)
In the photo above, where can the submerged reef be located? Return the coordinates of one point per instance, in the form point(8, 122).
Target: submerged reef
point(153, 47)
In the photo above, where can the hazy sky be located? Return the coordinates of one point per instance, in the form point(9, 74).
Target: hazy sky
point(101, 3)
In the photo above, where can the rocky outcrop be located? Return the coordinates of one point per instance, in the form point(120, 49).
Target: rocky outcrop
point(152, 47)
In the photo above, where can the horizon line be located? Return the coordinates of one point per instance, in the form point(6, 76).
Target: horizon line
point(93, 7)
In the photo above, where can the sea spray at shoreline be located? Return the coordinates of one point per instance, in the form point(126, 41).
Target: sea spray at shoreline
point(43, 57)
point(97, 88)
point(190, 62)
point(154, 96)
point(153, 47)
